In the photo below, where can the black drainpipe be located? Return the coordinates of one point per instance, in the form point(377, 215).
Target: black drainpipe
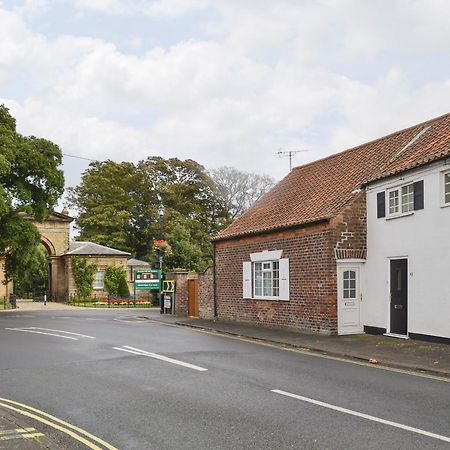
point(214, 281)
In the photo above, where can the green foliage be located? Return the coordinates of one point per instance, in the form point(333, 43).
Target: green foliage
point(123, 291)
point(186, 253)
point(113, 277)
point(118, 205)
point(83, 275)
point(106, 203)
point(34, 277)
point(19, 240)
point(30, 185)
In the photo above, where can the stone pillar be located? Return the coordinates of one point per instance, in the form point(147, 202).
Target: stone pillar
point(206, 294)
point(181, 291)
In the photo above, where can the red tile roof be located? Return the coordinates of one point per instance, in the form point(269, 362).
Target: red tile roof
point(321, 189)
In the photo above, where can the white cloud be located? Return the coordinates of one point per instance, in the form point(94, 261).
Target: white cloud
point(318, 75)
point(148, 7)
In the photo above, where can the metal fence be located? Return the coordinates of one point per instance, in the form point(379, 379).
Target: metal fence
point(112, 301)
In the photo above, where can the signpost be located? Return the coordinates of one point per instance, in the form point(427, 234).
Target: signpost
point(146, 280)
point(168, 292)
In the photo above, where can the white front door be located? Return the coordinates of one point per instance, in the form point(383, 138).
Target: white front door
point(349, 299)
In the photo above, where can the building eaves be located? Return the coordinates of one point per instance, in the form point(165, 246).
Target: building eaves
point(323, 188)
point(86, 248)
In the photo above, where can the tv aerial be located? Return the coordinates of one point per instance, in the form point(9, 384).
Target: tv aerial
point(289, 154)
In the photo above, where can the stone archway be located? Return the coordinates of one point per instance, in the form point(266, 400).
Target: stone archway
point(55, 236)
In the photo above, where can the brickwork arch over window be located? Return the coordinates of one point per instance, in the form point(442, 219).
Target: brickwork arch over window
point(266, 276)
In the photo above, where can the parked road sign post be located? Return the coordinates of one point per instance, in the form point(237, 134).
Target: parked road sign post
point(146, 280)
point(168, 292)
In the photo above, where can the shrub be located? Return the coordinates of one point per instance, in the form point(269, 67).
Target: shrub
point(113, 277)
point(123, 290)
point(83, 275)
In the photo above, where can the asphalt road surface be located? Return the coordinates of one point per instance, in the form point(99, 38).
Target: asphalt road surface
point(133, 383)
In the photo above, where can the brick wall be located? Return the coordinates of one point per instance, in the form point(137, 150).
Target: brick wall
point(350, 229)
point(312, 305)
point(312, 252)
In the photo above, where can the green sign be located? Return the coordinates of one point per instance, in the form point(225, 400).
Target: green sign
point(147, 279)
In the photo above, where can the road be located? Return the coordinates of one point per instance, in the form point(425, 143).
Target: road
point(139, 384)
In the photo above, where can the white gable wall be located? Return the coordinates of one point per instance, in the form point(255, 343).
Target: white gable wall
point(423, 237)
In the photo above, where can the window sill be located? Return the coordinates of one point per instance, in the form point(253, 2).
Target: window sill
point(445, 205)
point(276, 299)
point(397, 216)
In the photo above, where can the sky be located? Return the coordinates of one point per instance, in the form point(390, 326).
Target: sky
point(222, 82)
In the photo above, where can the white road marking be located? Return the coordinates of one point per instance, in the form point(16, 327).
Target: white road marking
point(41, 332)
point(16, 430)
point(45, 331)
point(20, 435)
point(61, 331)
point(305, 351)
point(132, 320)
point(362, 415)
point(137, 351)
point(21, 315)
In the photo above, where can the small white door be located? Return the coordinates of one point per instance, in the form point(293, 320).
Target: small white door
point(349, 300)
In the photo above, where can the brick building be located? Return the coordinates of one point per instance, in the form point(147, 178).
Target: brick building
point(296, 258)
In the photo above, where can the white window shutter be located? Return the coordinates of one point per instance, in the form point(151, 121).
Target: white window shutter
point(284, 279)
point(247, 279)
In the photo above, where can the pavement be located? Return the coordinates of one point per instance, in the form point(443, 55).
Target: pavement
point(30, 305)
point(19, 434)
point(408, 354)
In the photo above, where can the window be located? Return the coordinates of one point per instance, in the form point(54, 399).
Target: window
point(266, 279)
point(99, 280)
point(447, 188)
point(266, 276)
point(407, 198)
point(393, 202)
point(349, 285)
point(404, 199)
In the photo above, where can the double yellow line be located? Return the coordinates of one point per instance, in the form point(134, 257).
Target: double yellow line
point(88, 439)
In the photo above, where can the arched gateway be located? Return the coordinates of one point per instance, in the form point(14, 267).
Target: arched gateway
point(55, 233)
point(55, 237)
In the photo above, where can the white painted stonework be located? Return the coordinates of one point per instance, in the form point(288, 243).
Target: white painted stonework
point(423, 238)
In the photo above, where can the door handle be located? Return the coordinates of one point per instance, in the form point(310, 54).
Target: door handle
point(398, 306)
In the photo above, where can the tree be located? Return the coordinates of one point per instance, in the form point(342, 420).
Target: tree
point(186, 253)
point(83, 275)
point(113, 277)
point(34, 277)
point(118, 204)
point(124, 290)
point(239, 190)
point(106, 202)
point(30, 185)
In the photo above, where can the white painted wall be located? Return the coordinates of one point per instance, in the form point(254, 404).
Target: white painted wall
point(422, 237)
